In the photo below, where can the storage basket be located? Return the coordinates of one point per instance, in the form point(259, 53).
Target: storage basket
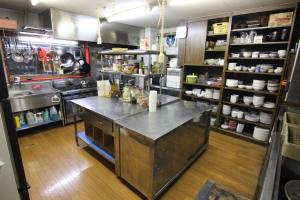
point(291, 118)
point(220, 28)
point(291, 144)
point(281, 19)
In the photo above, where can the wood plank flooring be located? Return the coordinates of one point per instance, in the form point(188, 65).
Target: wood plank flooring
point(57, 169)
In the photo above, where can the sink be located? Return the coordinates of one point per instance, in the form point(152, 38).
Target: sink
point(21, 93)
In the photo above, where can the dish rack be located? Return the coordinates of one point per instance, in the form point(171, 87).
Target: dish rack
point(291, 135)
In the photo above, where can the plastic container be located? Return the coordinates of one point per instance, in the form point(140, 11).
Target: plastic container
point(291, 143)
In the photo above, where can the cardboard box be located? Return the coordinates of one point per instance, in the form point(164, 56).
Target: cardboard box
point(8, 24)
point(281, 19)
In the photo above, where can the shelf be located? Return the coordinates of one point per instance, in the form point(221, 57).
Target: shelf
point(252, 73)
point(96, 147)
point(216, 35)
point(37, 125)
point(166, 88)
point(263, 43)
point(247, 136)
point(202, 85)
point(204, 65)
point(259, 28)
point(215, 50)
point(131, 75)
point(252, 91)
point(130, 52)
point(201, 98)
point(247, 122)
point(242, 58)
point(250, 106)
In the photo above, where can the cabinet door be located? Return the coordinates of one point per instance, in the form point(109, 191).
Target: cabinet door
point(195, 42)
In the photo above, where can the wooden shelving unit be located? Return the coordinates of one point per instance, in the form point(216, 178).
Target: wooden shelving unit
point(246, 76)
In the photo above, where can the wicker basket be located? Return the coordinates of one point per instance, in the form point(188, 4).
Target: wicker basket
point(291, 144)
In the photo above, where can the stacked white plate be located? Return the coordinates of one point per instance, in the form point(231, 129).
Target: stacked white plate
point(273, 86)
point(261, 134)
point(265, 118)
point(258, 100)
point(252, 117)
point(259, 84)
point(226, 109)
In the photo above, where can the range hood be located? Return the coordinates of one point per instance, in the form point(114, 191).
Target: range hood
point(72, 26)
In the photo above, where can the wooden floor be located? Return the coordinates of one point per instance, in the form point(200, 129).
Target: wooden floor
point(57, 169)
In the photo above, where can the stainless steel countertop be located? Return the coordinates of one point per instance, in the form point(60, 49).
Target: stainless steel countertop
point(114, 109)
point(153, 126)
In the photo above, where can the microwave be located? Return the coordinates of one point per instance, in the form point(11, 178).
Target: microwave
point(174, 77)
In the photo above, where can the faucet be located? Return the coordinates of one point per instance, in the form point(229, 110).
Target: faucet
point(17, 81)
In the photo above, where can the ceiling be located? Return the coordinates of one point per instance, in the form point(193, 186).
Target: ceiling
point(174, 15)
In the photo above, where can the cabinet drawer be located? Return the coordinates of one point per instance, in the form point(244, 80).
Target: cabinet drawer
point(100, 122)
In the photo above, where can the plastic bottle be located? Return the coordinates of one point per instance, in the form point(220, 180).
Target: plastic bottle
point(53, 113)
point(17, 122)
point(46, 115)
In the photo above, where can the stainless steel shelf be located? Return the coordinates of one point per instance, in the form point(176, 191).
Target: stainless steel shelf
point(37, 125)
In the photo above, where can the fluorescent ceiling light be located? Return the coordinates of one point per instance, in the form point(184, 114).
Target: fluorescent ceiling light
point(47, 41)
point(182, 2)
point(129, 14)
point(34, 2)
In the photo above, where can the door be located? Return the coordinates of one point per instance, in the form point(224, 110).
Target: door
point(8, 182)
point(195, 43)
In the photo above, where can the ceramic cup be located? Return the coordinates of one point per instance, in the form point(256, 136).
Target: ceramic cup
point(234, 113)
point(234, 98)
point(240, 114)
point(240, 128)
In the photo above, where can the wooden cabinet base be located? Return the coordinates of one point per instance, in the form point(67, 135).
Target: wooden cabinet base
point(152, 167)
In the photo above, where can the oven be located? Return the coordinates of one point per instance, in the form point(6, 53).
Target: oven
point(67, 105)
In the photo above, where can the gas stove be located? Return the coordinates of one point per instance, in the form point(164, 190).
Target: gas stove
point(71, 89)
point(75, 86)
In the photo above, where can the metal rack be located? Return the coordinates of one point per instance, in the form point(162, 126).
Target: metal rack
point(148, 76)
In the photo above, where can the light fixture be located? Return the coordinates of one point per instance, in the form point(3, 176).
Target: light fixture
point(45, 40)
point(129, 14)
point(34, 2)
point(182, 2)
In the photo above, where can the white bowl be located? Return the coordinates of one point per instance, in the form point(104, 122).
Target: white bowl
point(232, 82)
point(224, 126)
point(189, 92)
point(247, 54)
point(241, 86)
point(248, 100)
point(269, 105)
point(249, 87)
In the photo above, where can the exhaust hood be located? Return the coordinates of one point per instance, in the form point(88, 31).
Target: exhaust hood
point(71, 26)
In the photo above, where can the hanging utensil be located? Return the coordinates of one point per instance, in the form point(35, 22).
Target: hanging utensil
point(17, 56)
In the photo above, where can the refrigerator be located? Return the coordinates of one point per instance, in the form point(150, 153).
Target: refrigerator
point(13, 184)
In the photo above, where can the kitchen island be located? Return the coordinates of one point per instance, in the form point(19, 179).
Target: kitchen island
point(149, 150)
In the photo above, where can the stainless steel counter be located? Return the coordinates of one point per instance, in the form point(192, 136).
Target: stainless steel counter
point(153, 126)
point(114, 109)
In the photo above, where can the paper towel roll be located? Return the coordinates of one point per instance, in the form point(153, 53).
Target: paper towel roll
point(152, 101)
